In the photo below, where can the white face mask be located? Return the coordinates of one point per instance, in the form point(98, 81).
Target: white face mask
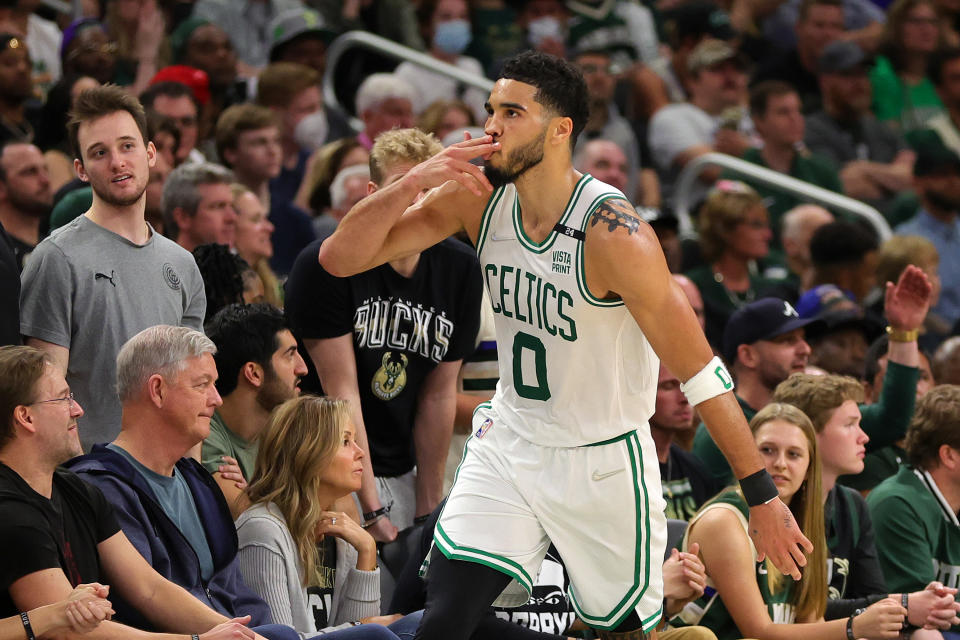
point(311, 132)
point(547, 27)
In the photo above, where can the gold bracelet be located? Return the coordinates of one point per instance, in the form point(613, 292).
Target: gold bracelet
point(902, 335)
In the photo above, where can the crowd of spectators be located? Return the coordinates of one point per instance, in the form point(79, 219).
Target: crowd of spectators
point(252, 440)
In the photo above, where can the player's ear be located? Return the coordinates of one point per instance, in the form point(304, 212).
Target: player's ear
point(561, 129)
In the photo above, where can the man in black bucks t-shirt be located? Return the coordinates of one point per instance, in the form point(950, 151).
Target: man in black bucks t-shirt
point(56, 531)
point(390, 340)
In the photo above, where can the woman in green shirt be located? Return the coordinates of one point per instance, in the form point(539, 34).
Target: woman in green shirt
point(749, 598)
point(903, 94)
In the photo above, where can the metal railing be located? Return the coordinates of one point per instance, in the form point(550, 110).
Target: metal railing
point(768, 178)
point(368, 40)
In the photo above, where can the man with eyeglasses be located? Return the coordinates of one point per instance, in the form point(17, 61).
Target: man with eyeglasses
point(176, 101)
point(60, 531)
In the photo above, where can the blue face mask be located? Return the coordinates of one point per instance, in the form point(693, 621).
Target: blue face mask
point(452, 37)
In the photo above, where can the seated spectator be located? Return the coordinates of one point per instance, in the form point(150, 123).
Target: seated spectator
point(259, 368)
point(895, 255)
point(51, 134)
point(324, 165)
point(797, 229)
point(300, 36)
point(16, 89)
point(685, 26)
point(861, 20)
point(445, 27)
point(82, 611)
point(937, 183)
point(946, 362)
point(292, 92)
point(227, 278)
point(139, 30)
point(844, 253)
point(61, 526)
point(316, 568)
point(86, 50)
point(883, 462)
point(917, 537)
point(167, 506)
point(944, 72)
point(605, 121)
point(402, 399)
point(41, 35)
point(198, 205)
point(444, 117)
point(686, 483)
point(204, 44)
point(252, 240)
point(693, 296)
point(248, 141)
point(750, 599)
point(818, 23)
point(734, 236)
point(178, 102)
point(839, 346)
point(605, 161)
point(247, 22)
point(763, 343)
point(715, 118)
point(667, 228)
point(384, 101)
point(775, 109)
point(25, 197)
point(875, 163)
point(903, 94)
point(348, 188)
point(853, 573)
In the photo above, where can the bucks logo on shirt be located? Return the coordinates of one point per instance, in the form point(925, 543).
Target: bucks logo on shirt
point(391, 377)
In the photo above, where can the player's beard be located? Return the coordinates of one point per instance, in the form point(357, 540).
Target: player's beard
point(517, 163)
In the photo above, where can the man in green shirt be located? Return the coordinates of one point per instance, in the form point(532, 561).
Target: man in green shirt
point(259, 368)
point(777, 118)
point(915, 512)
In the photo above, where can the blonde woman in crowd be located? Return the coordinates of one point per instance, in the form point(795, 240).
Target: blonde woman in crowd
point(315, 568)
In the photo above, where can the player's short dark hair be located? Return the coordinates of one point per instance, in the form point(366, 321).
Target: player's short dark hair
point(102, 101)
point(934, 425)
point(761, 93)
point(560, 86)
point(938, 61)
point(841, 243)
point(243, 333)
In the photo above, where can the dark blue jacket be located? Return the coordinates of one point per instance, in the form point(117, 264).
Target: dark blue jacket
point(159, 540)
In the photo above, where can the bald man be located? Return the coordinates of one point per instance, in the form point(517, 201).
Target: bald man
point(799, 224)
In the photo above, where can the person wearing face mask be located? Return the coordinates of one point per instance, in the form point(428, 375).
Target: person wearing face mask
point(445, 25)
point(292, 92)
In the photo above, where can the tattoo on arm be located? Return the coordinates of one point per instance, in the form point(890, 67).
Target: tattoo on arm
point(616, 213)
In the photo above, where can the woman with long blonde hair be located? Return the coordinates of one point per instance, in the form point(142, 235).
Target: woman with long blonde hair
point(747, 598)
point(315, 568)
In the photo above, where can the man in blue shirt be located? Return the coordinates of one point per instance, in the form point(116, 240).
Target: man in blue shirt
point(936, 177)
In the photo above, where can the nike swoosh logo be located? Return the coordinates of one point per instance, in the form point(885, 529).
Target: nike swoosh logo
point(495, 238)
point(597, 476)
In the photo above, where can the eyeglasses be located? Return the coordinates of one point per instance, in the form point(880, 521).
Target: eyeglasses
point(67, 398)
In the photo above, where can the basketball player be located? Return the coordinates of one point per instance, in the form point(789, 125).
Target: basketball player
point(584, 302)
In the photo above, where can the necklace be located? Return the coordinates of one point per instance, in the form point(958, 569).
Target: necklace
point(737, 299)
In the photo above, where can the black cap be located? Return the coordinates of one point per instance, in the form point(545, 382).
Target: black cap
point(841, 56)
point(836, 310)
point(762, 319)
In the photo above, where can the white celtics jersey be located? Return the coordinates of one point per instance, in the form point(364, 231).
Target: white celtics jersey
point(574, 369)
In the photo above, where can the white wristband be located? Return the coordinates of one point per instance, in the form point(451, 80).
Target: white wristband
point(713, 380)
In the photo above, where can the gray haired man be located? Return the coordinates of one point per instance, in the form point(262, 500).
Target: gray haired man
point(168, 506)
point(198, 205)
